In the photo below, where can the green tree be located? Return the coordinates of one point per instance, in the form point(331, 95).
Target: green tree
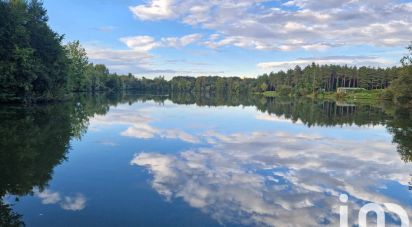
point(32, 60)
point(78, 62)
point(401, 87)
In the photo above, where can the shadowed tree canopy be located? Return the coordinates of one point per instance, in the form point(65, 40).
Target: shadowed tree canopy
point(402, 86)
point(33, 63)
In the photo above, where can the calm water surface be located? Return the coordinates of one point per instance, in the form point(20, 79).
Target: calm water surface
point(135, 160)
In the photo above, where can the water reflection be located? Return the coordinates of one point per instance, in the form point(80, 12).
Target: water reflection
point(273, 179)
point(140, 126)
point(34, 140)
point(72, 203)
point(241, 175)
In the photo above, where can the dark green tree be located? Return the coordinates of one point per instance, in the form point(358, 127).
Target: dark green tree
point(402, 86)
point(33, 64)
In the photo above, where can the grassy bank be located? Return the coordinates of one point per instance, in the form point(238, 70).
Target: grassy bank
point(270, 94)
point(363, 96)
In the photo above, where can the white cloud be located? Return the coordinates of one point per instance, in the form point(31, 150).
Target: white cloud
point(147, 43)
point(373, 61)
point(121, 61)
point(157, 9)
point(133, 61)
point(183, 41)
point(298, 24)
point(117, 56)
point(140, 43)
point(307, 25)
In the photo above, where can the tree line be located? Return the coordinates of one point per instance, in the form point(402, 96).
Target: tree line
point(35, 65)
point(315, 79)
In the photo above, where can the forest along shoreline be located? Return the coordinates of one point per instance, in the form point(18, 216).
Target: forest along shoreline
point(35, 66)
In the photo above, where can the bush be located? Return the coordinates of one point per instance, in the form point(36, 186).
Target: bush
point(401, 87)
point(341, 95)
point(386, 94)
point(284, 90)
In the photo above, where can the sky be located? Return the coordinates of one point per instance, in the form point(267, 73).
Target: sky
point(242, 38)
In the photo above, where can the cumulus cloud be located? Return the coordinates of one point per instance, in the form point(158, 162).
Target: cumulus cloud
point(159, 9)
point(307, 25)
point(296, 24)
point(183, 41)
point(147, 43)
point(121, 61)
point(269, 179)
point(113, 56)
point(140, 43)
point(137, 58)
point(373, 61)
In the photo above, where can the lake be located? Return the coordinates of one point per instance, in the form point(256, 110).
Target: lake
point(187, 160)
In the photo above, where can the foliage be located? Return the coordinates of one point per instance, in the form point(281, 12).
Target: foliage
point(270, 94)
point(386, 94)
point(363, 94)
point(78, 63)
point(8, 217)
point(211, 84)
point(316, 79)
point(87, 77)
point(401, 87)
point(32, 59)
point(284, 90)
point(34, 65)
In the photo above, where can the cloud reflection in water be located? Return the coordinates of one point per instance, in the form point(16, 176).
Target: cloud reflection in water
point(140, 125)
point(278, 179)
point(70, 203)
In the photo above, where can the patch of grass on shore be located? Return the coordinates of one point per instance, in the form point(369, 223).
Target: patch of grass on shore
point(364, 97)
point(325, 95)
point(270, 94)
point(371, 94)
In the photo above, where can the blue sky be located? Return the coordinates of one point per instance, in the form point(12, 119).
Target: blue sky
point(233, 37)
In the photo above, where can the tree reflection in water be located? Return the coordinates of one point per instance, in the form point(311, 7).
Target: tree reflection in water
point(34, 140)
